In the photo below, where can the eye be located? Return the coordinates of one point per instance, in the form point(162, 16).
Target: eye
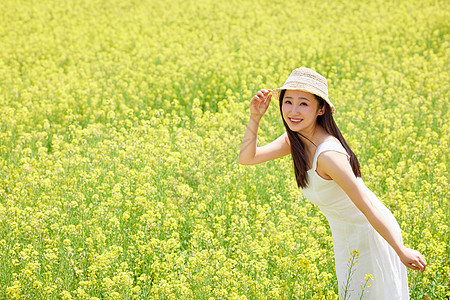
point(304, 104)
point(287, 102)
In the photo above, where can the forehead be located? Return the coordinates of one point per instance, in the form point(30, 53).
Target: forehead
point(296, 94)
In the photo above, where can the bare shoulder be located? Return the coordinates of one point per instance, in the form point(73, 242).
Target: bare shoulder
point(332, 164)
point(332, 138)
point(332, 156)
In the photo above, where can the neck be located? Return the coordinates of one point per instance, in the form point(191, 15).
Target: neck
point(313, 137)
point(307, 140)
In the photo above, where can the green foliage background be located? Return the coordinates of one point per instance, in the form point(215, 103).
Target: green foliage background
point(121, 124)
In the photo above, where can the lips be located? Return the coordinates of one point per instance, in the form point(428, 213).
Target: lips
point(295, 121)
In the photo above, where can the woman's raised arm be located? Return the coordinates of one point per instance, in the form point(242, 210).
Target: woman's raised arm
point(250, 154)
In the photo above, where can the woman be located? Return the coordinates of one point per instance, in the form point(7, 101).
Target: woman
point(328, 173)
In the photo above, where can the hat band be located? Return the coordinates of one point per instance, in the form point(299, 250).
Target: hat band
point(305, 87)
point(301, 80)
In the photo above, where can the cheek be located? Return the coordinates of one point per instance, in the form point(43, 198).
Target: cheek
point(307, 109)
point(283, 113)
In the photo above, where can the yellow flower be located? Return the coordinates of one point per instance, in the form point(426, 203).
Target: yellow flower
point(37, 284)
point(368, 277)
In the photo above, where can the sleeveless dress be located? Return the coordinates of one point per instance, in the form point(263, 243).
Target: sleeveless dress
point(352, 231)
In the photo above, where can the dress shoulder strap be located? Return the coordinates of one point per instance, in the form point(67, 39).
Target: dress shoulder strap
point(330, 145)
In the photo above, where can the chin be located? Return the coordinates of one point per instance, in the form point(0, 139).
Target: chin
point(294, 128)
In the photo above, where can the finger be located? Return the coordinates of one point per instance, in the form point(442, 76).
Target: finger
point(420, 266)
point(417, 265)
point(268, 97)
point(423, 259)
point(256, 98)
point(267, 101)
point(261, 96)
point(412, 267)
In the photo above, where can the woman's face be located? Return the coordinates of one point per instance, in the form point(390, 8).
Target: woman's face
point(300, 110)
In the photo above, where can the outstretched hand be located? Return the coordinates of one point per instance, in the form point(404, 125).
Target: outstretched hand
point(413, 259)
point(260, 102)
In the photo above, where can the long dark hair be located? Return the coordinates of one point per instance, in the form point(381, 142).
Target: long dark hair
point(298, 150)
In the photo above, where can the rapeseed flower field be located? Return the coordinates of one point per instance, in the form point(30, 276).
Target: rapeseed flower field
point(121, 124)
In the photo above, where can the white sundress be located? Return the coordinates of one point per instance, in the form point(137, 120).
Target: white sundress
point(352, 231)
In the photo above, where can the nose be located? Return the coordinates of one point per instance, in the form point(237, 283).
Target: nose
point(295, 110)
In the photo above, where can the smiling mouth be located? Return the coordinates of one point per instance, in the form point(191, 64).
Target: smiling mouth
point(295, 121)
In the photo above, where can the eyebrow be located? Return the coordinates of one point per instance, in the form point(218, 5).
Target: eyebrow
point(298, 98)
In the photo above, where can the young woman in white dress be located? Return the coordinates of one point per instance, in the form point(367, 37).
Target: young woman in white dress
point(328, 173)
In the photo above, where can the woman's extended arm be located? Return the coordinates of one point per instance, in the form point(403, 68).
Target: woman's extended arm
point(250, 154)
point(336, 166)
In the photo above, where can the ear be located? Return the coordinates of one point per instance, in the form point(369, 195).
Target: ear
point(321, 110)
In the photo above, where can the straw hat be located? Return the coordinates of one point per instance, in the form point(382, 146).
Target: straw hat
point(307, 80)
